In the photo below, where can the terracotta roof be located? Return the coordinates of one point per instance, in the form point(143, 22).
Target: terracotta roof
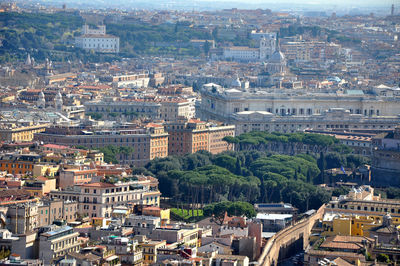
point(152, 208)
point(193, 120)
point(98, 184)
point(55, 146)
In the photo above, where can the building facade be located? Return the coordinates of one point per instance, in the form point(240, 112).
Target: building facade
point(293, 111)
point(147, 142)
point(97, 40)
point(57, 242)
point(386, 158)
point(190, 136)
point(12, 132)
point(99, 199)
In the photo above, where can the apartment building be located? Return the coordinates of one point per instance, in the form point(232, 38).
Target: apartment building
point(71, 177)
point(216, 134)
point(18, 163)
point(362, 201)
point(98, 199)
point(56, 210)
point(128, 108)
point(156, 108)
point(150, 250)
point(57, 242)
point(190, 136)
point(40, 187)
point(22, 218)
point(148, 142)
point(307, 51)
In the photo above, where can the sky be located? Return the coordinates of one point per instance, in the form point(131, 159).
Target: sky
point(343, 6)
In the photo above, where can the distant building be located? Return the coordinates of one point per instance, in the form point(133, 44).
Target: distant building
point(190, 136)
point(20, 132)
point(296, 110)
point(274, 222)
point(97, 40)
point(247, 54)
point(386, 158)
point(363, 201)
point(147, 142)
point(276, 208)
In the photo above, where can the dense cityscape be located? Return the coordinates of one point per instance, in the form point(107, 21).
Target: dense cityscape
point(199, 133)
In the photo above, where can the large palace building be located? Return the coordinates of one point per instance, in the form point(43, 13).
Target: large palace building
point(297, 110)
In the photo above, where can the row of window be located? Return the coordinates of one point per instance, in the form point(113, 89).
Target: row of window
point(366, 208)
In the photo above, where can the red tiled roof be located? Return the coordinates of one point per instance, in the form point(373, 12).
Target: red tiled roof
point(97, 184)
point(55, 146)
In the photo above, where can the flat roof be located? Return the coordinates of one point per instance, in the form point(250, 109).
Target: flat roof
point(273, 216)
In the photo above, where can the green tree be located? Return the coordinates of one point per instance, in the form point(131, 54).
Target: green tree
point(206, 47)
point(238, 208)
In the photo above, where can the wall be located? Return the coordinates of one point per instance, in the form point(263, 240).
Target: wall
point(291, 234)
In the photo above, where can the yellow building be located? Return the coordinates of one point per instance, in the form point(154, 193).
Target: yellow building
point(12, 132)
point(7, 98)
point(151, 198)
point(164, 214)
point(40, 186)
point(45, 170)
point(363, 202)
point(347, 225)
point(150, 250)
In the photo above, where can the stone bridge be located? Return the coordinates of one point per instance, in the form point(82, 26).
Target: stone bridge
point(290, 240)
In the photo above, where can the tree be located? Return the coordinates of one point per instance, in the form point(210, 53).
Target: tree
point(238, 208)
point(230, 140)
point(383, 258)
point(206, 47)
point(238, 168)
point(215, 33)
point(322, 166)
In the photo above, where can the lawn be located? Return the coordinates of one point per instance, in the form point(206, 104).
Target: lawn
point(187, 215)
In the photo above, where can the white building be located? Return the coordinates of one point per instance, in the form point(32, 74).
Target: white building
point(241, 53)
point(99, 199)
point(97, 40)
point(297, 110)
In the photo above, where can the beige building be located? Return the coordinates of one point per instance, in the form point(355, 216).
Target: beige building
point(71, 177)
point(334, 119)
point(362, 201)
point(45, 170)
point(99, 199)
point(223, 103)
point(22, 218)
point(150, 250)
point(174, 108)
point(57, 242)
point(57, 210)
point(41, 186)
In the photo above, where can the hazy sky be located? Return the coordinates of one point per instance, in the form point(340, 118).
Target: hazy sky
point(317, 2)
